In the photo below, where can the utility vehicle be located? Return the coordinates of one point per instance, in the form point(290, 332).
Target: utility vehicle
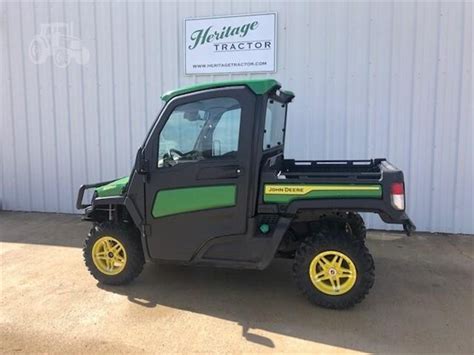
point(211, 186)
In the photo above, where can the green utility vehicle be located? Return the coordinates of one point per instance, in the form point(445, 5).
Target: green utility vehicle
point(211, 186)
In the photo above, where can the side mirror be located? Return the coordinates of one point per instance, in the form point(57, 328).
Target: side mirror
point(141, 164)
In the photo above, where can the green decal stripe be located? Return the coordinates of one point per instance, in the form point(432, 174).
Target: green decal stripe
point(173, 201)
point(376, 192)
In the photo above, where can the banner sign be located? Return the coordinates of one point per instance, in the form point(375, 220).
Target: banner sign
point(231, 44)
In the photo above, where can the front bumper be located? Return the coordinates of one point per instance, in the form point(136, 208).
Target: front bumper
point(82, 190)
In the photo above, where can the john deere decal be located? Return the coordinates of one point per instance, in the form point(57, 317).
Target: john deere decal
point(280, 193)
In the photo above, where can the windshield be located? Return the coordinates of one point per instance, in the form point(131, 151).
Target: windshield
point(274, 133)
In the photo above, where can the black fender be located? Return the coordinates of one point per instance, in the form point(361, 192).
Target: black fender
point(132, 210)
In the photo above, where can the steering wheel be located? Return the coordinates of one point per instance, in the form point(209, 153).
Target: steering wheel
point(176, 152)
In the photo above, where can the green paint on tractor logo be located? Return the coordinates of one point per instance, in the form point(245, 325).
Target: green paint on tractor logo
point(258, 86)
point(285, 193)
point(189, 199)
point(112, 189)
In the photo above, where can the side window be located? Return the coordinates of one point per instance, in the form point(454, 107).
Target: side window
point(226, 134)
point(275, 117)
point(205, 129)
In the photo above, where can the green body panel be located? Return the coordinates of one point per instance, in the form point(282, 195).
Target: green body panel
point(338, 191)
point(188, 199)
point(258, 86)
point(113, 189)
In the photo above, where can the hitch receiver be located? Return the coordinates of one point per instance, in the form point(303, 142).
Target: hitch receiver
point(409, 227)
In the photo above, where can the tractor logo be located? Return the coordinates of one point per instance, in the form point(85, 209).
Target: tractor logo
point(56, 40)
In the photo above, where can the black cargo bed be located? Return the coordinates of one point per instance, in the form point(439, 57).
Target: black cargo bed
point(353, 169)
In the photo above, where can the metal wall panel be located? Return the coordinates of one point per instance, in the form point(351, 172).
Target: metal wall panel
point(372, 80)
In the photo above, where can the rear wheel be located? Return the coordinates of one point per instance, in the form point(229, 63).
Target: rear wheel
point(39, 50)
point(333, 270)
point(113, 253)
point(356, 225)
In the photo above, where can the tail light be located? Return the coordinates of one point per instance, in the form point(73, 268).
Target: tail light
point(397, 195)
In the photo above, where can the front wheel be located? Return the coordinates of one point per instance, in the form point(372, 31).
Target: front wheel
point(62, 58)
point(113, 253)
point(333, 270)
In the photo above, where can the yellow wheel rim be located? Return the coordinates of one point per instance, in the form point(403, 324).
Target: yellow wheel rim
point(332, 273)
point(109, 255)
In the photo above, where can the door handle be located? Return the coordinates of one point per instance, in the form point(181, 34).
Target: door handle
point(220, 172)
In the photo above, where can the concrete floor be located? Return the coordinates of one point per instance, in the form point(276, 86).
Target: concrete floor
point(422, 300)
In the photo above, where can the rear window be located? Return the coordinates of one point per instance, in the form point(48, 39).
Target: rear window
point(274, 134)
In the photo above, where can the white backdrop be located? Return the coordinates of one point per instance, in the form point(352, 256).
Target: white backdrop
point(371, 80)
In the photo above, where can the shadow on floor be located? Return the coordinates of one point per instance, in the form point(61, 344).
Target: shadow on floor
point(403, 313)
point(421, 302)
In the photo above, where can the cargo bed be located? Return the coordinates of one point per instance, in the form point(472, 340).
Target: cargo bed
point(348, 169)
point(288, 186)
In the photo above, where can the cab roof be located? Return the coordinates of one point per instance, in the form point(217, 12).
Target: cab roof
point(258, 86)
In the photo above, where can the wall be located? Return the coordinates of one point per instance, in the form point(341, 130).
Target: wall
point(372, 80)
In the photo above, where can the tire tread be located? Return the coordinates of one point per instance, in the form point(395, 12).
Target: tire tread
point(128, 236)
point(343, 241)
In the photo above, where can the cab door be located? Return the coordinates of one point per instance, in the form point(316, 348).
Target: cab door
point(199, 169)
